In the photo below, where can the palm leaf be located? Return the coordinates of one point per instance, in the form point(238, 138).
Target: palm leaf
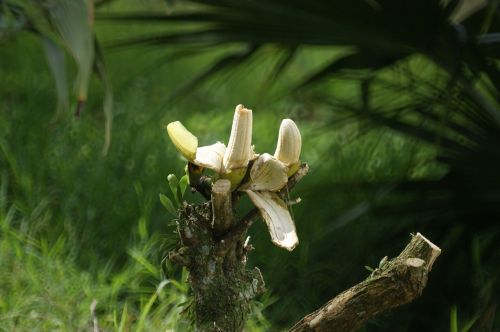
point(57, 63)
point(72, 20)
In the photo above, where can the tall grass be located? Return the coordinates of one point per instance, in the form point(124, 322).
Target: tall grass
point(43, 289)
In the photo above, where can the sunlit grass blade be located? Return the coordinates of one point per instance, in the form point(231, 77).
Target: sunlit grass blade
point(124, 318)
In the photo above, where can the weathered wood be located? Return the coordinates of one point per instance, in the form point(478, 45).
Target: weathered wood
point(222, 208)
point(396, 282)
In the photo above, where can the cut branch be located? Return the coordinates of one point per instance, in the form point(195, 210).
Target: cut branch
point(222, 209)
point(396, 282)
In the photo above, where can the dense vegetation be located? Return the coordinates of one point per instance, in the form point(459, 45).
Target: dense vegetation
point(405, 148)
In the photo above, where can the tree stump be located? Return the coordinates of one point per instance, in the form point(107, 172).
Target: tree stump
point(213, 247)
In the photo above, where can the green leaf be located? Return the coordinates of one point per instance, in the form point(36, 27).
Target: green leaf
point(147, 308)
point(183, 183)
point(140, 258)
point(145, 311)
point(469, 324)
point(453, 319)
point(107, 106)
point(371, 269)
point(72, 19)
point(142, 228)
point(226, 62)
point(57, 65)
point(360, 60)
point(173, 183)
point(167, 203)
point(123, 319)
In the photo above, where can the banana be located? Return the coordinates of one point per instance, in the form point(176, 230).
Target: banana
point(184, 141)
point(277, 217)
point(267, 173)
point(289, 143)
point(210, 156)
point(239, 150)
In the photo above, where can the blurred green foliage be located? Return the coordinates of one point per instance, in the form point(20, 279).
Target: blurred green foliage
point(78, 226)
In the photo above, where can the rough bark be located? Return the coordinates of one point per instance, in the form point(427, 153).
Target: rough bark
point(394, 283)
point(212, 247)
point(222, 285)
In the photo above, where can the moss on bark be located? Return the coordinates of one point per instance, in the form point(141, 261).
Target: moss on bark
point(223, 287)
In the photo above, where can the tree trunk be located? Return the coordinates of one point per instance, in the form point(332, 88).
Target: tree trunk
point(222, 286)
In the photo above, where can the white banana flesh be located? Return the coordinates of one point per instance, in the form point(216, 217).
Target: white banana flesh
point(277, 217)
point(239, 148)
point(184, 141)
point(289, 143)
point(267, 173)
point(211, 156)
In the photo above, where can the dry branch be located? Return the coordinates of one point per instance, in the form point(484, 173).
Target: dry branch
point(396, 282)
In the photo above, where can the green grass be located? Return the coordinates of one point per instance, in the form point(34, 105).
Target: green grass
point(42, 289)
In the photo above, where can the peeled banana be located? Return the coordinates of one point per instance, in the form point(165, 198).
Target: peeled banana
point(184, 141)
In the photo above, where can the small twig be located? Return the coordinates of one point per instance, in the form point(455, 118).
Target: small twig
point(295, 178)
point(203, 187)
